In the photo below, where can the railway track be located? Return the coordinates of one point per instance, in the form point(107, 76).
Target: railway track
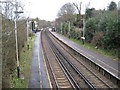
point(96, 80)
point(75, 76)
point(74, 72)
point(65, 61)
point(61, 78)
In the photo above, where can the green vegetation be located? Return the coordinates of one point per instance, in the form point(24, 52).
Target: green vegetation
point(100, 51)
point(8, 47)
point(102, 30)
point(25, 63)
point(89, 13)
point(112, 6)
point(8, 51)
point(107, 53)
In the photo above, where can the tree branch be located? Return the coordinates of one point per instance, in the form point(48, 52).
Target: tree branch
point(78, 8)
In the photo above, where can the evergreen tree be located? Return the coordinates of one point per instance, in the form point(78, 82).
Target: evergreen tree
point(112, 6)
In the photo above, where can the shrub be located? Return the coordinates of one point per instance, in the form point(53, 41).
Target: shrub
point(108, 24)
point(8, 48)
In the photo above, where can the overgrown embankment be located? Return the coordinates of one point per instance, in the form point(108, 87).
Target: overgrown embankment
point(102, 31)
point(8, 48)
point(25, 63)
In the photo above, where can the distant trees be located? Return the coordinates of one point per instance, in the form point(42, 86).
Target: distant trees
point(78, 7)
point(8, 48)
point(112, 6)
point(9, 8)
point(104, 31)
point(78, 22)
point(66, 16)
point(88, 13)
point(66, 12)
point(44, 24)
point(8, 40)
point(102, 26)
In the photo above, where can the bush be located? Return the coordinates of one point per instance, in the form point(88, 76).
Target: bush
point(108, 24)
point(65, 28)
point(90, 29)
point(73, 33)
point(9, 50)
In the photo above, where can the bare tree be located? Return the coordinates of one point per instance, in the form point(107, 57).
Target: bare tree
point(78, 7)
point(66, 9)
point(66, 12)
point(8, 8)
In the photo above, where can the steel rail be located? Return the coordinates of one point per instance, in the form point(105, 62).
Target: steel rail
point(55, 78)
point(68, 75)
point(49, 65)
point(70, 78)
point(85, 66)
point(73, 66)
point(65, 69)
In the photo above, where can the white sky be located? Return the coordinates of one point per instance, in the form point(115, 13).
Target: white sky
point(48, 9)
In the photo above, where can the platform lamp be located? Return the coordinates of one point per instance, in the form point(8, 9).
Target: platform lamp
point(27, 33)
point(16, 38)
point(18, 69)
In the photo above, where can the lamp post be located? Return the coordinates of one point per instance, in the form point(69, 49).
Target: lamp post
point(83, 36)
point(69, 29)
point(83, 27)
point(27, 33)
point(16, 39)
point(61, 27)
point(84, 24)
point(27, 28)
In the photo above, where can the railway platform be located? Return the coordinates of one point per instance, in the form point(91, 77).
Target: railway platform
point(38, 75)
point(108, 66)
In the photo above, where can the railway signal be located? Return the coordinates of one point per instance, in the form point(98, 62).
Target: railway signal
point(33, 25)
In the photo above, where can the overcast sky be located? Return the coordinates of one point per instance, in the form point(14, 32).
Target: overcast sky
point(48, 9)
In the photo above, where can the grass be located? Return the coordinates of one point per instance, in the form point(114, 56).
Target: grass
point(25, 63)
point(100, 51)
point(109, 54)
